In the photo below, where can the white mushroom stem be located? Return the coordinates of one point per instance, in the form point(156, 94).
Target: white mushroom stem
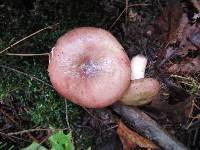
point(141, 90)
point(138, 66)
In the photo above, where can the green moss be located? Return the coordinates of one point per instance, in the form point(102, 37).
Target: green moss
point(37, 104)
point(42, 103)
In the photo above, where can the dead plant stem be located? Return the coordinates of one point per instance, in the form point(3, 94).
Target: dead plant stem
point(125, 9)
point(27, 55)
point(25, 74)
point(27, 37)
point(31, 130)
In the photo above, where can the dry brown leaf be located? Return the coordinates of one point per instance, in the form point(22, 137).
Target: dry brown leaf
point(182, 39)
point(196, 4)
point(188, 39)
point(185, 35)
point(132, 140)
point(189, 65)
point(195, 38)
point(178, 112)
point(169, 20)
point(177, 105)
point(169, 25)
point(177, 33)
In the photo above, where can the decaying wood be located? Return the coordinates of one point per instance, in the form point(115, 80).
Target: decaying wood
point(148, 127)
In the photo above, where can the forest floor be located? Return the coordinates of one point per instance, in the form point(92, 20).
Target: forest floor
point(166, 32)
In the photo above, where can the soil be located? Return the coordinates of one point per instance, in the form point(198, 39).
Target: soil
point(138, 30)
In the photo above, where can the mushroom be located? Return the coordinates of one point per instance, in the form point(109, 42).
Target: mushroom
point(141, 90)
point(89, 67)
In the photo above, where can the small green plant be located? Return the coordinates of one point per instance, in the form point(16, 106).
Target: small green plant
point(58, 141)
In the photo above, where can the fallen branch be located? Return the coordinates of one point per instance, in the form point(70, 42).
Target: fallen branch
point(148, 127)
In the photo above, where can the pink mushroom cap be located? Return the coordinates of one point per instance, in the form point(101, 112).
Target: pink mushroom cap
point(89, 67)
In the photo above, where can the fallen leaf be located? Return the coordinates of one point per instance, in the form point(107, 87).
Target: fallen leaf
point(187, 38)
point(132, 140)
point(177, 32)
point(178, 105)
point(195, 38)
point(183, 38)
point(189, 66)
point(196, 4)
point(169, 20)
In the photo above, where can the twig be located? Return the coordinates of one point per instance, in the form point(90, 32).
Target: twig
point(67, 119)
point(66, 115)
point(126, 8)
point(8, 116)
point(25, 74)
point(32, 130)
point(27, 55)
point(32, 137)
point(162, 10)
point(93, 131)
point(10, 137)
point(195, 136)
point(27, 37)
point(117, 19)
point(110, 128)
point(148, 127)
point(193, 126)
point(126, 13)
point(96, 118)
point(44, 140)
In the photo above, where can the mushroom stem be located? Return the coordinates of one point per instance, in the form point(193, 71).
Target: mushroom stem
point(138, 66)
point(141, 90)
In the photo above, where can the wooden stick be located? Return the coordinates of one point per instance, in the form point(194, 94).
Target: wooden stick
point(148, 127)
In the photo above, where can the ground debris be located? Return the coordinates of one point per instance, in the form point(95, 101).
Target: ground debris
point(178, 106)
point(148, 127)
point(188, 65)
point(131, 140)
point(169, 20)
point(181, 51)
